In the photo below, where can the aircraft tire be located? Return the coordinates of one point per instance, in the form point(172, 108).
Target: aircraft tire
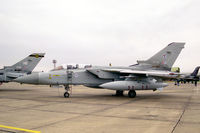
point(132, 93)
point(66, 94)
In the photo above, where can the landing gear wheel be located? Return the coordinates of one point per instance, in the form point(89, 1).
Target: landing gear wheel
point(68, 91)
point(119, 93)
point(132, 93)
point(66, 94)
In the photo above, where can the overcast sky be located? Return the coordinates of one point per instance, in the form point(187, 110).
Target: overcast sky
point(98, 31)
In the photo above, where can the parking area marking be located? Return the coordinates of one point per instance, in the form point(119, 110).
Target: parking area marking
point(19, 129)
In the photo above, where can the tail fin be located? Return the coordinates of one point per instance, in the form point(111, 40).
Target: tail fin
point(195, 72)
point(28, 64)
point(166, 57)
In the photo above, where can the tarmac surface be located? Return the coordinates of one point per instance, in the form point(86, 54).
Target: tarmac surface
point(41, 108)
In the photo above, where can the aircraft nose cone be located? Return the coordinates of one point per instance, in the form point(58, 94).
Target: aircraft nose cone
point(29, 79)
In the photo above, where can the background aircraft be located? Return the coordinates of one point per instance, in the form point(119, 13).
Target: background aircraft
point(193, 77)
point(25, 66)
point(145, 75)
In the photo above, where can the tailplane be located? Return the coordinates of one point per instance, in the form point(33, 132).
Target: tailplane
point(165, 58)
point(28, 64)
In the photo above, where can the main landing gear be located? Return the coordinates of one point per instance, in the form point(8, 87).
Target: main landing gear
point(131, 93)
point(68, 89)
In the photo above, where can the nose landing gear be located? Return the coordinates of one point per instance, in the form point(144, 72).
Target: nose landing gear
point(68, 89)
point(66, 94)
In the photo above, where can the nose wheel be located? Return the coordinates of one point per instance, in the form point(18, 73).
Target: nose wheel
point(66, 94)
point(68, 89)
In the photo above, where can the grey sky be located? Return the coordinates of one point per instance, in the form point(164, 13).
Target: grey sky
point(98, 32)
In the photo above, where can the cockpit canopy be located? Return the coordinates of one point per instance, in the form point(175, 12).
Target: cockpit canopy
point(72, 66)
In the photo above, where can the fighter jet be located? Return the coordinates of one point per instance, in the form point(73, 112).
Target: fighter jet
point(193, 77)
point(145, 75)
point(24, 67)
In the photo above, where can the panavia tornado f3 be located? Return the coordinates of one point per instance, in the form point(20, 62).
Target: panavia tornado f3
point(21, 68)
point(145, 75)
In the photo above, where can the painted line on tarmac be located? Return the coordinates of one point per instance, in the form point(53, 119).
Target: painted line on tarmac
point(19, 129)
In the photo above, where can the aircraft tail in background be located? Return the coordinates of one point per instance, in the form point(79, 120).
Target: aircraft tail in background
point(195, 72)
point(29, 63)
